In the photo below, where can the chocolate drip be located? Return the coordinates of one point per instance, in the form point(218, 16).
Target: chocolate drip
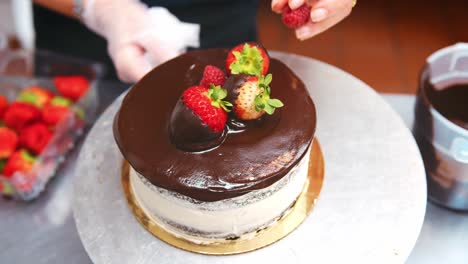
point(232, 84)
point(245, 161)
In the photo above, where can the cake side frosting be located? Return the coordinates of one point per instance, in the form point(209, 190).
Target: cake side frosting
point(246, 161)
point(207, 222)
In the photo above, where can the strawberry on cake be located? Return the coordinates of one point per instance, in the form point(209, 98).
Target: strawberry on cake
point(217, 155)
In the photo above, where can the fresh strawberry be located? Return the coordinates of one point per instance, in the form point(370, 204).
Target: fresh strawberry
point(248, 58)
point(72, 87)
point(297, 17)
point(198, 120)
point(250, 96)
point(3, 105)
point(58, 109)
point(20, 114)
point(35, 137)
point(52, 115)
point(8, 142)
point(212, 75)
point(36, 96)
point(21, 160)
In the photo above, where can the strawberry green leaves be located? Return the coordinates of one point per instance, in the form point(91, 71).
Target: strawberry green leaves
point(275, 103)
point(217, 94)
point(251, 102)
point(263, 102)
point(29, 98)
point(249, 61)
point(61, 101)
point(2, 164)
point(27, 157)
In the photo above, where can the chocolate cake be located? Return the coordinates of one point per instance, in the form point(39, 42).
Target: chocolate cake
point(246, 182)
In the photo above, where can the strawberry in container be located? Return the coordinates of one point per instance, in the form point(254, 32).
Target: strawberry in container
point(36, 96)
point(72, 87)
point(21, 161)
point(3, 105)
point(8, 142)
point(38, 126)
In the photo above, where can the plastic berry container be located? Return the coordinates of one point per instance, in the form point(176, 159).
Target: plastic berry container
point(43, 165)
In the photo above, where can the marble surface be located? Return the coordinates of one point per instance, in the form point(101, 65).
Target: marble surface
point(370, 211)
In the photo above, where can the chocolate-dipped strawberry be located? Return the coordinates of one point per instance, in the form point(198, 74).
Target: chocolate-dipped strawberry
point(247, 58)
point(198, 121)
point(250, 96)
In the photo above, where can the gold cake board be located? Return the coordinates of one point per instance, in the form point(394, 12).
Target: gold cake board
point(272, 234)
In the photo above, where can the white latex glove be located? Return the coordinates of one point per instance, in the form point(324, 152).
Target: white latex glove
point(323, 15)
point(138, 38)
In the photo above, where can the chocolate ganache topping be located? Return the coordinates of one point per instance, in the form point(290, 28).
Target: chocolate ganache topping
point(248, 160)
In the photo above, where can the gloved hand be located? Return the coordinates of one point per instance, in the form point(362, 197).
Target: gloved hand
point(138, 38)
point(323, 15)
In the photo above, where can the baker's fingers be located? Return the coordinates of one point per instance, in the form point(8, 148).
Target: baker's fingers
point(314, 28)
point(158, 50)
point(293, 4)
point(278, 5)
point(130, 63)
point(322, 9)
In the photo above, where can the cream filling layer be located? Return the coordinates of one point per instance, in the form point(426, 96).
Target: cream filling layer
point(204, 222)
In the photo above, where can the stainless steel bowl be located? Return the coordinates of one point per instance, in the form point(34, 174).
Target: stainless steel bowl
point(443, 144)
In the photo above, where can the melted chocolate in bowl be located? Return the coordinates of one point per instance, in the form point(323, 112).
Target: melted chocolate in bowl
point(451, 102)
point(245, 161)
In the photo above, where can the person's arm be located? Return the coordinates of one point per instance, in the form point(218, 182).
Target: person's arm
point(137, 39)
point(65, 7)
